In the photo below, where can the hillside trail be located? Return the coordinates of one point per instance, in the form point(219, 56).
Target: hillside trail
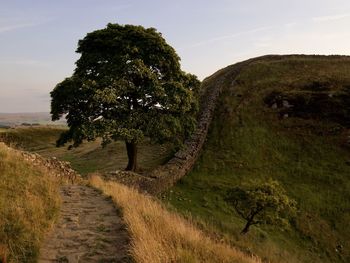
point(89, 229)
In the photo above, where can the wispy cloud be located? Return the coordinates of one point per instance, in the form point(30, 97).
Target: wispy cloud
point(224, 37)
point(330, 17)
point(7, 28)
point(263, 42)
point(291, 24)
point(18, 23)
point(24, 62)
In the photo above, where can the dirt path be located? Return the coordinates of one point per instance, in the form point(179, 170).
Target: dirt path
point(89, 230)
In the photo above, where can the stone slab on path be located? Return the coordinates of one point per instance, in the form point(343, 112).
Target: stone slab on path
point(89, 229)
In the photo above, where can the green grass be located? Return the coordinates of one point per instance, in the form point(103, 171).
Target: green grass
point(90, 156)
point(29, 203)
point(247, 140)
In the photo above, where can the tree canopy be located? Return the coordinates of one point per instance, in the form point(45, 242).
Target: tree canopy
point(261, 203)
point(127, 84)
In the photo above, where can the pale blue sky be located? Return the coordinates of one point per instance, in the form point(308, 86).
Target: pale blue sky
point(38, 38)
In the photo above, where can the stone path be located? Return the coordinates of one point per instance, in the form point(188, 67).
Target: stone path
point(89, 230)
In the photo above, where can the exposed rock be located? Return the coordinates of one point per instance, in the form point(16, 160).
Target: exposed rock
point(286, 104)
point(328, 105)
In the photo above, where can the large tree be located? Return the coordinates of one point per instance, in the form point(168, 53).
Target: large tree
point(127, 85)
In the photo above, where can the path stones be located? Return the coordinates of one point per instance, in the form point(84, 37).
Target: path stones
point(88, 230)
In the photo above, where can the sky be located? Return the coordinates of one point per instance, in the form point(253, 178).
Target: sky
point(38, 38)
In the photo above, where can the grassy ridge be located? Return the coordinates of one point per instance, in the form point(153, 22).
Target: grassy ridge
point(162, 236)
point(250, 138)
point(90, 156)
point(29, 202)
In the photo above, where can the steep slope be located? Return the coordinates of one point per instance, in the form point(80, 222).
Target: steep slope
point(288, 118)
point(29, 202)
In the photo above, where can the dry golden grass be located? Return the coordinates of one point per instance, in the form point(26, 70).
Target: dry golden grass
point(161, 236)
point(29, 201)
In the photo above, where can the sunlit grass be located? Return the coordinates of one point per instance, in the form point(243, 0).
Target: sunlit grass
point(159, 236)
point(29, 202)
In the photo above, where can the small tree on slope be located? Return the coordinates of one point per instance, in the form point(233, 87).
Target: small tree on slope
point(261, 203)
point(127, 85)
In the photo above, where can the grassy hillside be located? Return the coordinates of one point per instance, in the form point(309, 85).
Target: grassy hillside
point(285, 118)
point(90, 156)
point(29, 202)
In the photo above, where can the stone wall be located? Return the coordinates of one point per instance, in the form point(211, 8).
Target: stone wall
point(183, 161)
point(59, 169)
point(53, 167)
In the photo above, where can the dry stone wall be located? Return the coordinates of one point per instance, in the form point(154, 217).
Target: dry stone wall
point(56, 168)
point(53, 167)
point(183, 161)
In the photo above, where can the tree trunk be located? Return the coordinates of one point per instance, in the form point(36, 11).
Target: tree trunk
point(246, 228)
point(131, 148)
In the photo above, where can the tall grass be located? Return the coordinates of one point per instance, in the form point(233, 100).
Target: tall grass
point(29, 202)
point(160, 236)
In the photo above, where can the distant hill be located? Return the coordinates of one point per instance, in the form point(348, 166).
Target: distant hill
point(286, 118)
point(30, 118)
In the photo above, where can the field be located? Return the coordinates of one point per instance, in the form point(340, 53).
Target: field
point(90, 156)
point(303, 146)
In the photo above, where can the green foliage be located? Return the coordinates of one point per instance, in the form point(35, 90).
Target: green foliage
point(127, 85)
point(261, 203)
